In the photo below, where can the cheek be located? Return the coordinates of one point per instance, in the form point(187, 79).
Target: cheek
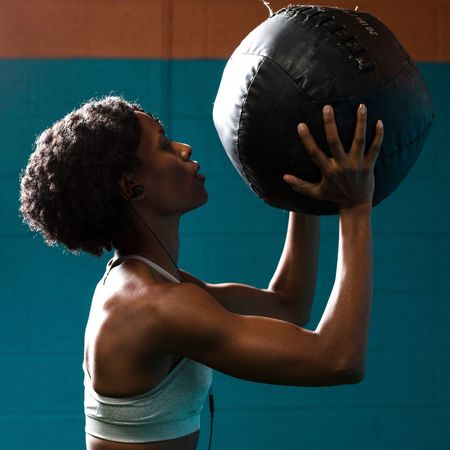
point(170, 189)
point(176, 180)
point(162, 177)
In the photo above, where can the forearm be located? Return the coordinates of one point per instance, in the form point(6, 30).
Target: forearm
point(345, 322)
point(295, 276)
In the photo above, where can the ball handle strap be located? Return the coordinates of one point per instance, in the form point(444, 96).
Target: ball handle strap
point(324, 18)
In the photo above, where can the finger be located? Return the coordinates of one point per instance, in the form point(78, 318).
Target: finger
point(359, 139)
point(302, 187)
point(377, 142)
point(316, 154)
point(331, 131)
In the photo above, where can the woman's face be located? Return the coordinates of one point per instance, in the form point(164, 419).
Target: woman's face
point(169, 177)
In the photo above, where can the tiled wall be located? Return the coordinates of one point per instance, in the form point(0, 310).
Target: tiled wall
point(56, 55)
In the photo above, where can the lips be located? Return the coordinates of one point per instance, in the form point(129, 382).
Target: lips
point(198, 175)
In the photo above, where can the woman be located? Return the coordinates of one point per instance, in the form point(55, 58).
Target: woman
point(107, 177)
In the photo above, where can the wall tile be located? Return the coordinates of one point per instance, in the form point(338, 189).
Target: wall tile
point(403, 321)
point(43, 432)
point(404, 264)
point(412, 429)
point(42, 384)
point(195, 85)
point(290, 430)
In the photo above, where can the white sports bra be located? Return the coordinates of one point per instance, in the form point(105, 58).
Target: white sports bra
point(168, 411)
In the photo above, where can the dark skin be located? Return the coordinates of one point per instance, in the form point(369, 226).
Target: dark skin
point(240, 330)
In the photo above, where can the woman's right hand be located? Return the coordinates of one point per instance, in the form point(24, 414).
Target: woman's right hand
point(347, 178)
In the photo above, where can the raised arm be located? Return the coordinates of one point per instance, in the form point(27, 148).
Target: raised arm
point(296, 274)
point(290, 293)
point(187, 320)
point(348, 180)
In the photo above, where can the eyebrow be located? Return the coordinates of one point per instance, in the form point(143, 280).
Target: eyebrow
point(161, 133)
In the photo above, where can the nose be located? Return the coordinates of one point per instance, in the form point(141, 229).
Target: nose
point(186, 151)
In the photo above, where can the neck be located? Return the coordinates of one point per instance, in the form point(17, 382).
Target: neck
point(139, 240)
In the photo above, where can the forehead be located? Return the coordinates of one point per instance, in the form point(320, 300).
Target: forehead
point(149, 123)
point(151, 132)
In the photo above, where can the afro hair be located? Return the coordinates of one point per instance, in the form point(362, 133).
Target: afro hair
point(69, 190)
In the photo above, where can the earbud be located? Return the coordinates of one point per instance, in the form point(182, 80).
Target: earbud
point(137, 191)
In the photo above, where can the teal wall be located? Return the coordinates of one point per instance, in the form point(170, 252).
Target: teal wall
point(403, 402)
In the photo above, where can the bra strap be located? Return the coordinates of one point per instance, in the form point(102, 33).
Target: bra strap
point(112, 263)
point(155, 266)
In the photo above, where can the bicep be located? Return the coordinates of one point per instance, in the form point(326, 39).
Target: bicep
point(192, 323)
point(247, 300)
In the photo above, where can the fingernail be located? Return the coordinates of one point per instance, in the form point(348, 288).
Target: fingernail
point(302, 127)
point(380, 124)
point(362, 107)
point(327, 109)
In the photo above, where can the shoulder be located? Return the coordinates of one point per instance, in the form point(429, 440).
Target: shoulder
point(163, 313)
point(131, 283)
point(136, 285)
point(190, 321)
point(135, 295)
point(128, 301)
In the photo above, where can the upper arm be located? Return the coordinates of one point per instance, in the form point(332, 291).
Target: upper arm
point(248, 300)
point(190, 322)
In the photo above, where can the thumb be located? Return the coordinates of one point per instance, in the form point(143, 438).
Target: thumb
point(300, 186)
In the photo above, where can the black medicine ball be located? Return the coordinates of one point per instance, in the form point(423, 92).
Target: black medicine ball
point(293, 64)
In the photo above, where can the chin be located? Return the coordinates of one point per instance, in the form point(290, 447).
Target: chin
point(204, 200)
point(197, 198)
point(201, 201)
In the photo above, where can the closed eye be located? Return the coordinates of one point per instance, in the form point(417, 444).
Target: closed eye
point(167, 144)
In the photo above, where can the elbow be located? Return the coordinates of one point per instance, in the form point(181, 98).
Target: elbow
point(353, 374)
point(356, 376)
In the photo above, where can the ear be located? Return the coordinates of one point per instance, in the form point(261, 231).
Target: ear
point(126, 185)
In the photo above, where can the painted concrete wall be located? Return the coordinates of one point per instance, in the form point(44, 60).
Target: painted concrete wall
point(188, 28)
point(169, 56)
